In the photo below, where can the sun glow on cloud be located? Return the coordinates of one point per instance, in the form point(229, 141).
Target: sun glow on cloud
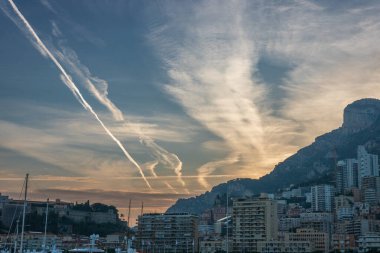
point(213, 67)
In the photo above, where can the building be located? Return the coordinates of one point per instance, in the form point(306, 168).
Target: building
point(321, 222)
point(347, 175)
point(285, 246)
point(369, 242)
point(343, 242)
point(371, 189)
point(3, 200)
point(320, 240)
point(343, 201)
point(368, 164)
point(10, 211)
point(210, 246)
point(254, 220)
point(344, 207)
point(287, 224)
point(97, 217)
point(176, 232)
point(322, 197)
point(214, 245)
point(221, 226)
point(34, 241)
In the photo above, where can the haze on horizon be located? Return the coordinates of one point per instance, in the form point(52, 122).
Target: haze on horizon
point(198, 92)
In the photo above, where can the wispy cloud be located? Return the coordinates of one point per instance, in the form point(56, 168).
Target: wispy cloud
point(211, 73)
point(80, 32)
point(212, 56)
point(24, 25)
point(99, 89)
point(210, 167)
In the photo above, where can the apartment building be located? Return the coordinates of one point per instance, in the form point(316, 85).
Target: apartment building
point(177, 232)
point(254, 220)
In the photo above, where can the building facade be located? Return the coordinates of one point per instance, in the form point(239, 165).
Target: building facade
point(320, 240)
point(368, 164)
point(322, 197)
point(371, 189)
point(347, 175)
point(254, 220)
point(285, 247)
point(177, 232)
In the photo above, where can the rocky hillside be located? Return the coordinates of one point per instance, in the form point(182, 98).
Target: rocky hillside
point(361, 126)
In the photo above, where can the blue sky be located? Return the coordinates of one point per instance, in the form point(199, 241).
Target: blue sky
point(197, 92)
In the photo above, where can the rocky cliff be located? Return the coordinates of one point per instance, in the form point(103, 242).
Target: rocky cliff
point(361, 126)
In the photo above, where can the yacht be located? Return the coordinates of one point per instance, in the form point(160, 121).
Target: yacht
point(92, 247)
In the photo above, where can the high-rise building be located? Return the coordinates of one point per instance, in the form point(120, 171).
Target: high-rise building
point(347, 175)
point(368, 164)
point(371, 189)
point(254, 220)
point(177, 232)
point(322, 197)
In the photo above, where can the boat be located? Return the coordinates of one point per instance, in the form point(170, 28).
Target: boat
point(92, 247)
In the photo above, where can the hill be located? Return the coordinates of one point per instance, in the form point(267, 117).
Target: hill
point(361, 126)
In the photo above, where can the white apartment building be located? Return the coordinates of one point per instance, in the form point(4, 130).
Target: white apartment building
point(368, 164)
point(322, 197)
point(254, 220)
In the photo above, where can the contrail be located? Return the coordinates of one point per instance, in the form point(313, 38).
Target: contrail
point(208, 168)
point(71, 85)
point(151, 166)
point(98, 88)
point(165, 157)
point(170, 187)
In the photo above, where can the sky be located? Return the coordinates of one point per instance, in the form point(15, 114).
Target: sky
point(159, 100)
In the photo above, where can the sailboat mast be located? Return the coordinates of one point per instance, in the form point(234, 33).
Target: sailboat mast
point(129, 212)
point(129, 225)
point(227, 246)
point(15, 247)
point(23, 213)
point(46, 220)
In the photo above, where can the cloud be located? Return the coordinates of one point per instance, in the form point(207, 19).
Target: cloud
point(118, 198)
point(99, 89)
point(210, 167)
point(151, 166)
point(87, 151)
point(211, 55)
point(211, 75)
point(80, 32)
point(95, 85)
point(24, 25)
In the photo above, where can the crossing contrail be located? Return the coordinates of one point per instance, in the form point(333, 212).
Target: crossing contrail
point(165, 157)
point(66, 78)
point(99, 89)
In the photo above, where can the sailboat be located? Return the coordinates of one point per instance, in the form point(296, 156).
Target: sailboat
point(44, 246)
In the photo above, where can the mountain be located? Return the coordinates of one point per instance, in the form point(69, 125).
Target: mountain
point(361, 126)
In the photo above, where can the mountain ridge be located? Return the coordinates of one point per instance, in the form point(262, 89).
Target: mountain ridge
point(361, 126)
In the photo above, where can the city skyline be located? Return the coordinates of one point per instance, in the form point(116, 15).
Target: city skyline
point(192, 94)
